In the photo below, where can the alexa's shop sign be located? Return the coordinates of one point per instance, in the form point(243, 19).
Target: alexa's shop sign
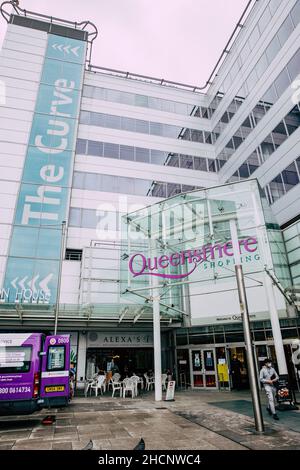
point(141, 265)
point(121, 340)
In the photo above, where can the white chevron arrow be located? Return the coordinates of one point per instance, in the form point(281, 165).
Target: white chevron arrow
point(74, 50)
point(31, 283)
point(66, 49)
point(44, 283)
point(13, 283)
point(21, 283)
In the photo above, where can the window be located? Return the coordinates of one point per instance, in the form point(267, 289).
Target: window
point(111, 150)
point(277, 188)
point(15, 359)
point(84, 117)
point(95, 148)
point(295, 14)
point(81, 146)
point(156, 128)
point(158, 157)
point(113, 122)
point(56, 358)
point(75, 217)
point(78, 180)
point(186, 161)
point(113, 95)
point(264, 20)
point(200, 163)
point(253, 38)
point(290, 176)
point(285, 30)
point(91, 181)
point(270, 95)
point(273, 49)
point(127, 124)
point(282, 82)
point(126, 152)
point(142, 155)
point(294, 66)
point(142, 126)
point(211, 165)
point(141, 100)
point(89, 218)
point(292, 120)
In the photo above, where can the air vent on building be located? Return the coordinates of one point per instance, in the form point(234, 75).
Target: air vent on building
point(73, 254)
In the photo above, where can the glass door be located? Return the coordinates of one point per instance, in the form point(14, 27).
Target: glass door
point(209, 362)
point(203, 368)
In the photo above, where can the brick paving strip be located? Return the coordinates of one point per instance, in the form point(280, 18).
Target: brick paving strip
point(189, 423)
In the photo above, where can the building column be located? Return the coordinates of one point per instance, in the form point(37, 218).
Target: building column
point(81, 360)
point(278, 343)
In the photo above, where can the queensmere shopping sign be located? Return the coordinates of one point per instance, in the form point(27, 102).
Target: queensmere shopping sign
point(141, 265)
point(42, 205)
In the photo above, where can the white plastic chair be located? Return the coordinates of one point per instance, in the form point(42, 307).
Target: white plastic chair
point(116, 384)
point(100, 384)
point(88, 384)
point(135, 379)
point(164, 381)
point(116, 377)
point(128, 386)
point(149, 382)
point(140, 381)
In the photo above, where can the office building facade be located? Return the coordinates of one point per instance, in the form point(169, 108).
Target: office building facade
point(84, 145)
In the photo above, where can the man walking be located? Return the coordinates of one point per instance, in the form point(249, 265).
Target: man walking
point(268, 376)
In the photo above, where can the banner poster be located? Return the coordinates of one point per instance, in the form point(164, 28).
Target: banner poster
point(170, 391)
point(283, 390)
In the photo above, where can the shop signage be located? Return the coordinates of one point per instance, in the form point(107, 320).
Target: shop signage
point(140, 265)
point(120, 340)
point(283, 389)
point(42, 205)
point(24, 296)
point(170, 391)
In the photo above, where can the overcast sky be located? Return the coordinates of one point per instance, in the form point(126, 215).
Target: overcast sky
point(177, 40)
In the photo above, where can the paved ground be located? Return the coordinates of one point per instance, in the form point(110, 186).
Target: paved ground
point(195, 420)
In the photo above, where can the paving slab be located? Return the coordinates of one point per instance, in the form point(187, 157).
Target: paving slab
point(194, 421)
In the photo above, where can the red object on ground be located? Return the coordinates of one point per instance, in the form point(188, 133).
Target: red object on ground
point(48, 420)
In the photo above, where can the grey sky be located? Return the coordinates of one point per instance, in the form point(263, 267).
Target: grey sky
point(177, 40)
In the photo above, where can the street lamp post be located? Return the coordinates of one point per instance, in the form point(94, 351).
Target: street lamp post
point(62, 244)
point(259, 424)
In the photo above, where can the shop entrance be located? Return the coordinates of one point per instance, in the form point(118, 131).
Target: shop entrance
point(125, 361)
point(238, 368)
point(203, 368)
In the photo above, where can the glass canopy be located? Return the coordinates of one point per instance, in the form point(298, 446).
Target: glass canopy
point(183, 244)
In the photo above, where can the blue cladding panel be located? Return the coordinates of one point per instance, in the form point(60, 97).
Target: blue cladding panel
point(33, 262)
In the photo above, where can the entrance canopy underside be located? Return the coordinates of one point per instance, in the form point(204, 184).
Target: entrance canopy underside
point(82, 315)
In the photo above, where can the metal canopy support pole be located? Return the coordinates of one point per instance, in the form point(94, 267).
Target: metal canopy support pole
point(259, 424)
point(156, 340)
point(278, 343)
point(63, 229)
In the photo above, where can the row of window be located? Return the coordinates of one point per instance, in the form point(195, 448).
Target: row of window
point(144, 127)
point(285, 30)
point(279, 134)
point(127, 185)
point(139, 154)
point(283, 182)
point(144, 101)
point(282, 82)
point(292, 243)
